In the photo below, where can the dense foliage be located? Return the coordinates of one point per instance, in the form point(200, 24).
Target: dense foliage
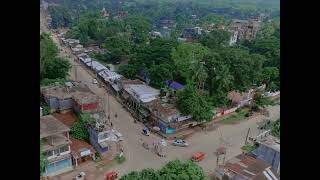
point(43, 159)
point(79, 129)
point(52, 67)
point(60, 17)
point(175, 169)
point(276, 129)
point(192, 101)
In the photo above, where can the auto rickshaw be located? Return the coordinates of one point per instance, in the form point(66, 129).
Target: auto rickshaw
point(198, 156)
point(111, 175)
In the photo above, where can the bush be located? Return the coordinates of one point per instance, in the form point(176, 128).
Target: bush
point(121, 159)
point(98, 157)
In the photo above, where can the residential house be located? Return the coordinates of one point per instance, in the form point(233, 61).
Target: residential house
point(81, 151)
point(111, 78)
point(73, 96)
point(167, 117)
point(137, 95)
point(56, 145)
point(247, 29)
point(191, 33)
point(155, 34)
point(102, 135)
point(269, 151)
point(244, 167)
point(85, 102)
point(105, 14)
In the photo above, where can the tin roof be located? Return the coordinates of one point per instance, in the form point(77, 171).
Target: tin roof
point(49, 126)
point(142, 92)
point(248, 167)
point(174, 85)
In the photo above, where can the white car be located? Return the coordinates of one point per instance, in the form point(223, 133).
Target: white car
point(180, 142)
point(94, 81)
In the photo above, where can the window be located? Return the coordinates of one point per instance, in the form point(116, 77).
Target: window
point(49, 153)
point(56, 151)
point(64, 149)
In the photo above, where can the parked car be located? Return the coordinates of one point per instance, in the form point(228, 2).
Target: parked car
point(180, 142)
point(94, 81)
point(119, 136)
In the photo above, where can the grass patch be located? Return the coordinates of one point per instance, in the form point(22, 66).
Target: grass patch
point(248, 147)
point(236, 117)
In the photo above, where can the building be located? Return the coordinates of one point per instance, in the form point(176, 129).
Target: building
point(244, 167)
point(233, 37)
point(191, 33)
point(102, 135)
point(175, 86)
point(111, 78)
point(72, 96)
point(167, 117)
point(56, 145)
point(247, 29)
point(85, 102)
point(269, 151)
point(81, 151)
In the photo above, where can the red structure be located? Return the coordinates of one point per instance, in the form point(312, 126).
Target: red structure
point(111, 175)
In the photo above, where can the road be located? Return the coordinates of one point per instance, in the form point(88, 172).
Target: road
point(138, 158)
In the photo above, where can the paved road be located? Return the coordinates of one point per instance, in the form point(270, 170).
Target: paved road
point(138, 158)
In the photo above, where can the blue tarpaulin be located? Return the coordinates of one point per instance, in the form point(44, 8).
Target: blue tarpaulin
point(174, 85)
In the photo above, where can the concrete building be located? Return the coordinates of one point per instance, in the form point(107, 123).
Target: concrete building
point(56, 145)
point(247, 29)
point(269, 151)
point(81, 151)
point(72, 96)
point(167, 117)
point(244, 167)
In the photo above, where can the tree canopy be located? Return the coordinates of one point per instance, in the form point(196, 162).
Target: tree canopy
point(52, 67)
point(173, 170)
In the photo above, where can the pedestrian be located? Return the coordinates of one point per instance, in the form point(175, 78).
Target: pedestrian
point(111, 124)
point(116, 115)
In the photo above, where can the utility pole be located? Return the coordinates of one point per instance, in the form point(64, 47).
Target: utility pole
point(245, 142)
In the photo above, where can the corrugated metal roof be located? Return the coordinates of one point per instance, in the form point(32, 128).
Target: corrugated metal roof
point(174, 85)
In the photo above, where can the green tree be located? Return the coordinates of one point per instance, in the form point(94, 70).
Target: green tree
point(270, 76)
point(192, 101)
point(276, 129)
point(139, 26)
point(160, 73)
point(129, 71)
point(79, 129)
point(188, 60)
point(216, 38)
point(56, 68)
point(43, 159)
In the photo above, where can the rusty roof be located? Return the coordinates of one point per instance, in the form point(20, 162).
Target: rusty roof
point(77, 146)
point(50, 126)
point(165, 109)
point(247, 167)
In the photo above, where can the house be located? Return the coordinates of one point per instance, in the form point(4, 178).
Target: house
point(247, 29)
point(73, 96)
point(101, 135)
point(56, 145)
point(85, 102)
point(155, 34)
point(245, 167)
point(175, 86)
point(111, 78)
point(81, 151)
point(233, 37)
point(191, 33)
point(137, 95)
point(269, 151)
point(167, 117)
point(96, 66)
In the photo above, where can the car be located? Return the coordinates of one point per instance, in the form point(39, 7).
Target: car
point(180, 142)
point(94, 81)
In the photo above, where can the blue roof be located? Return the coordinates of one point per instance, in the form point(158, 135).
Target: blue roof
point(174, 85)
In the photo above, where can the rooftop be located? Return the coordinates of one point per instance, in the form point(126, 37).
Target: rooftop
point(109, 75)
point(78, 146)
point(49, 126)
point(271, 142)
point(67, 118)
point(84, 97)
point(142, 92)
point(174, 85)
point(244, 166)
point(165, 109)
